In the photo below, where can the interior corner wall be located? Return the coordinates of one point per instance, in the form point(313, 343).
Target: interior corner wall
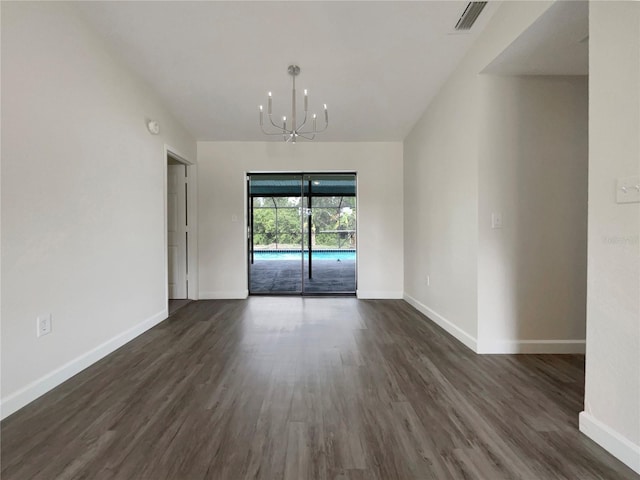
point(611, 413)
point(82, 199)
point(532, 272)
point(222, 167)
point(441, 185)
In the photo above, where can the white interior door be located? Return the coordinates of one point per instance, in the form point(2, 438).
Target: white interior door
point(177, 230)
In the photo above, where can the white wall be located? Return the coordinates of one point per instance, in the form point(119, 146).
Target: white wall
point(612, 399)
point(441, 185)
point(222, 198)
point(532, 273)
point(82, 199)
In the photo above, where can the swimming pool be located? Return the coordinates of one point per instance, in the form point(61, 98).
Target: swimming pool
point(295, 255)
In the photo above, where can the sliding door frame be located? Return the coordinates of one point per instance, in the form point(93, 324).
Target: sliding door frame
point(249, 244)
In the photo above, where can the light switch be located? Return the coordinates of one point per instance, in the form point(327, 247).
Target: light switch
point(628, 190)
point(496, 220)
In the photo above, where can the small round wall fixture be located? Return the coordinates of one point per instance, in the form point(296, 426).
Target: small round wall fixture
point(153, 126)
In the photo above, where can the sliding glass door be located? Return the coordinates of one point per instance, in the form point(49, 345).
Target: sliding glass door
point(330, 234)
point(275, 234)
point(302, 233)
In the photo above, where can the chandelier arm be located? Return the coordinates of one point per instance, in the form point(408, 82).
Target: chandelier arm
point(273, 133)
point(317, 131)
point(304, 120)
point(325, 127)
point(313, 132)
point(277, 126)
point(303, 135)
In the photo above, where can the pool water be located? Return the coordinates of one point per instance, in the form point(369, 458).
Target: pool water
point(317, 255)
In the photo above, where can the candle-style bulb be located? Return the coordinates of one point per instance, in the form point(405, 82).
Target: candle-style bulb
point(306, 102)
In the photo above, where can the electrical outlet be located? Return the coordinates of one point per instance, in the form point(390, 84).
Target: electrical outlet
point(43, 325)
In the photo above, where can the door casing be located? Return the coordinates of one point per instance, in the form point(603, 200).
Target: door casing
point(177, 230)
point(192, 217)
point(249, 210)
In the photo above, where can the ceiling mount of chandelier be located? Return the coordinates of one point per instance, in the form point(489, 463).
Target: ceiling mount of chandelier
point(303, 131)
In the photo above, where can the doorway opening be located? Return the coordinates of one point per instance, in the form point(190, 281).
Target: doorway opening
point(302, 233)
point(177, 233)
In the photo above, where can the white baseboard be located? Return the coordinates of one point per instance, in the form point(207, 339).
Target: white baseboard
point(39, 387)
point(620, 447)
point(379, 295)
point(442, 322)
point(224, 295)
point(531, 346)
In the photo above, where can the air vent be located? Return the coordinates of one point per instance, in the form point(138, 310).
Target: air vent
point(470, 15)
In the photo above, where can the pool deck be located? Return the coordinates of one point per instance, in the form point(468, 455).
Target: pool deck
point(284, 276)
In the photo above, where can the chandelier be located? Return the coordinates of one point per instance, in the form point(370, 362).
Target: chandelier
point(291, 134)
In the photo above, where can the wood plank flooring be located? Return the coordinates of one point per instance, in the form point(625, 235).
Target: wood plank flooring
point(307, 388)
point(177, 304)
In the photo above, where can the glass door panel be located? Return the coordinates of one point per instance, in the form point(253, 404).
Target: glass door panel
point(329, 234)
point(274, 233)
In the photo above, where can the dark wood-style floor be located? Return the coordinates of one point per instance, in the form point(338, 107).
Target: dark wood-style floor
point(301, 388)
point(177, 304)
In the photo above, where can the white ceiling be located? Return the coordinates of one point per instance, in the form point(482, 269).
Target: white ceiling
point(555, 44)
point(376, 64)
